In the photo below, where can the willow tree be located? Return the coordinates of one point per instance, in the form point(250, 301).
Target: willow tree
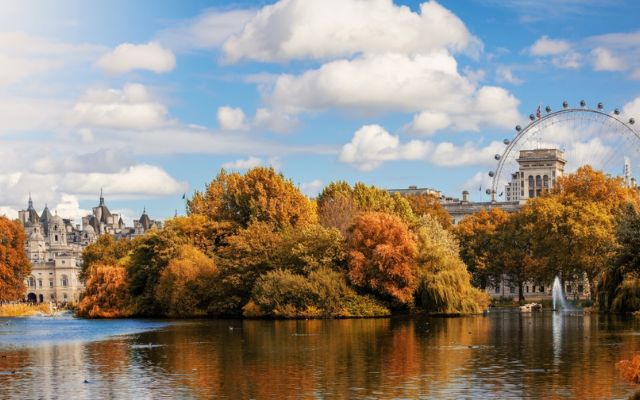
point(14, 265)
point(444, 282)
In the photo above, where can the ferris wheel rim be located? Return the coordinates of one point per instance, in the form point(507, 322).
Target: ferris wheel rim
point(537, 121)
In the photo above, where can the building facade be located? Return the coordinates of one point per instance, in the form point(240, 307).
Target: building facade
point(54, 247)
point(537, 173)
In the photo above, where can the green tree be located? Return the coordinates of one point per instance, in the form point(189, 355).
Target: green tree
point(106, 250)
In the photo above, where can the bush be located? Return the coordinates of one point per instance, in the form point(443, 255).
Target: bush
point(324, 293)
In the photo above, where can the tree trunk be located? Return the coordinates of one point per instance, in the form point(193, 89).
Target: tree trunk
point(520, 292)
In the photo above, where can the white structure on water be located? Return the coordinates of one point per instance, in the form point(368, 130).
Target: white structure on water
point(54, 246)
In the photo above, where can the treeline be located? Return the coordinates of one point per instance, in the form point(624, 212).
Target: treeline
point(253, 245)
point(587, 227)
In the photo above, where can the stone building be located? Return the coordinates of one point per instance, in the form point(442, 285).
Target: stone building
point(537, 173)
point(54, 246)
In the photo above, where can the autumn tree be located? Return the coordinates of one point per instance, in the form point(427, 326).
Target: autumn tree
point(149, 256)
point(444, 282)
point(339, 204)
point(588, 184)
point(381, 257)
point(106, 250)
point(184, 286)
point(106, 293)
point(260, 195)
point(14, 265)
point(476, 234)
point(201, 232)
point(429, 205)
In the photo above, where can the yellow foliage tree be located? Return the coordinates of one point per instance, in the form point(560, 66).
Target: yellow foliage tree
point(184, 286)
point(260, 195)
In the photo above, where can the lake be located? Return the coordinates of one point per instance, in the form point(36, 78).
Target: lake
point(505, 354)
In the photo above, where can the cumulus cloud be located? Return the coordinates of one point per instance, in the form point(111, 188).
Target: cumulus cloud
point(127, 57)
point(397, 82)
point(299, 29)
point(231, 119)
point(604, 60)
point(241, 164)
point(131, 107)
point(549, 47)
point(559, 52)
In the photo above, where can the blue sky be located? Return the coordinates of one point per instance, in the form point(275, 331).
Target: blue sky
point(149, 99)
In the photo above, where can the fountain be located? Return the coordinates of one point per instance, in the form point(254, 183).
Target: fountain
point(558, 295)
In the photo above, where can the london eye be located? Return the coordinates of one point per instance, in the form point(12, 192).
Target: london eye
point(606, 140)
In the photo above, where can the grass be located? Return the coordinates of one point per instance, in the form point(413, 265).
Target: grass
point(23, 309)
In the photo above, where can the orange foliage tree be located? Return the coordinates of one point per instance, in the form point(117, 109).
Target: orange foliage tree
point(261, 195)
point(381, 257)
point(106, 293)
point(14, 265)
point(106, 250)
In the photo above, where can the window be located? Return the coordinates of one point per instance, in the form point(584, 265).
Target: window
point(65, 281)
point(32, 282)
point(53, 297)
point(545, 180)
point(39, 282)
point(497, 289)
point(65, 297)
point(526, 289)
point(512, 290)
point(541, 289)
point(580, 288)
point(56, 238)
point(50, 282)
point(568, 288)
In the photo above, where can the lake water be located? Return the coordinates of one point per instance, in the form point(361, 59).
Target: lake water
point(503, 355)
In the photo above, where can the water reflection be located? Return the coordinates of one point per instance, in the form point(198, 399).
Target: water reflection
point(504, 355)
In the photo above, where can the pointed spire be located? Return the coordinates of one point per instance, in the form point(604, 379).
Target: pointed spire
point(144, 210)
point(101, 198)
point(176, 214)
point(30, 201)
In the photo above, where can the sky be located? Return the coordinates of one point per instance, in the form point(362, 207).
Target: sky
point(148, 100)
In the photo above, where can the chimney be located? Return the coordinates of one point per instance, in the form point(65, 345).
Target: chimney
point(465, 196)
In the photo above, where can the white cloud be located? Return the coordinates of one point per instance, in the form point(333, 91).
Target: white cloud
point(372, 145)
point(127, 57)
point(604, 60)
point(549, 47)
point(560, 53)
point(428, 122)
point(241, 164)
point(298, 29)
point(395, 82)
point(206, 31)
point(274, 120)
point(632, 108)
point(311, 188)
point(505, 74)
point(23, 56)
point(231, 119)
point(131, 107)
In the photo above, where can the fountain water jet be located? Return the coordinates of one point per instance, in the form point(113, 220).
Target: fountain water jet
point(558, 295)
